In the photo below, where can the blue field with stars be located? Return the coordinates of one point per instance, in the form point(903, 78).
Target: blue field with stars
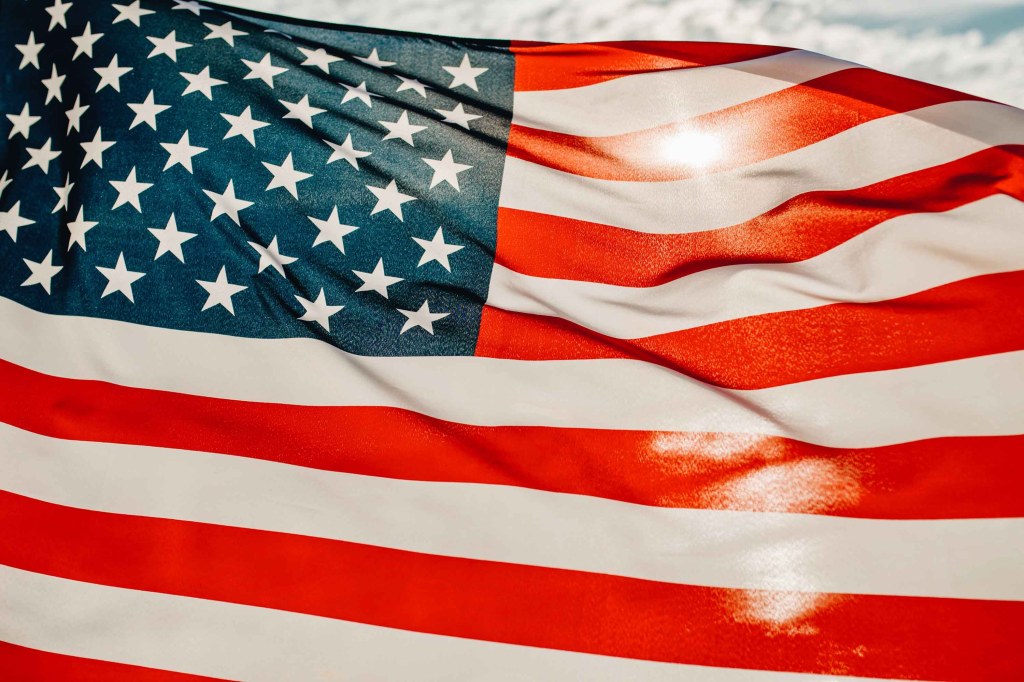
point(184, 165)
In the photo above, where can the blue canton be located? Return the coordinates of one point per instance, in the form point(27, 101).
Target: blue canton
point(187, 165)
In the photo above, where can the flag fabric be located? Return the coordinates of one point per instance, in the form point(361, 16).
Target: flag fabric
point(336, 353)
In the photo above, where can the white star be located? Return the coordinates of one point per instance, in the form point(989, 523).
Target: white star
point(201, 82)
point(42, 272)
point(245, 125)
point(411, 84)
point(78, 227)
point(63, 193)
point(346, 152)
point(132, 13)
point(4, 181)
point(30, 51)
point(319, 58)
point(58, 12)
point(52, 85)
point(11, 220)
point(168, 45)
point(422, 318)
point(376, 280)
point(170, 239)
point(225, 32)
point(220, 291)
point(227, 203)
point(332, 230)
point(437, 249)
point(358, 92)
point(41, 156)
point(446, 170)
point(458, 116)
point(271, 257)
point(84, 42)
point(263, 70)
point(128, 191)
point(111, 75)
point(318, 311)
point(145, 112)
point(286, 176)
point(401, 129)
point(389, 199)
point(21, 122)
point(74, 114)
point(301, 110)
point(181, 152)
point(464, 74)
point(120, 278)
point(190, 5)
point(94, 150)
point(373, 59)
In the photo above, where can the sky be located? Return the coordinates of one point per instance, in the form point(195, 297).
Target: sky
point(976, 46)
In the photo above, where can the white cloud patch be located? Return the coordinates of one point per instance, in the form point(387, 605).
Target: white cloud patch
point(976, 46)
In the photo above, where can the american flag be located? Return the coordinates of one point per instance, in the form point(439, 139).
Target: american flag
point(335, 353)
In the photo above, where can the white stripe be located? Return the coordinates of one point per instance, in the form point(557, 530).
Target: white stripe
point(978, 396)
point(970, 559)
point(646, 100)
point(905, 255)
point(239, 642)
point(860, 156)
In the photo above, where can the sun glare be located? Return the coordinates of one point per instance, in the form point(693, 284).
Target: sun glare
point(693, 148)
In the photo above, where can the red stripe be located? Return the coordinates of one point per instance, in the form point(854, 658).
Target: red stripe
point(21, 664)
point(942, 478)
point(876, 636)
point(800, 228)
point(750, 132)
point(960, 320)
point(545, 66)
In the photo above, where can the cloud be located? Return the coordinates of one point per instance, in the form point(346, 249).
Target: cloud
point(975, 47)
